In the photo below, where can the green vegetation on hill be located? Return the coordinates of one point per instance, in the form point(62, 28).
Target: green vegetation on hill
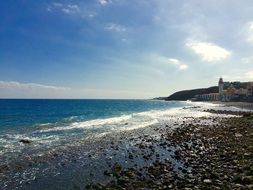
point(189, 94)
point(236, 85)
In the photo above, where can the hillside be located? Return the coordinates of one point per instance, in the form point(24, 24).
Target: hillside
point(189, 94)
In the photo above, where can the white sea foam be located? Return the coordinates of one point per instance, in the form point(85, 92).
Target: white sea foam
point(71, 118)
point(10, 142)
point(44, 124)
point(135, 120)
point(90, 124)
point(99, 127)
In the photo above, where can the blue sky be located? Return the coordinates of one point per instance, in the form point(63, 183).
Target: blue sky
point(122, 48)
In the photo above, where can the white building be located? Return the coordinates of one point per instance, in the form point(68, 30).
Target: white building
point(229, 94)
point(250, 89)
point(221, 87)
point(208, 97)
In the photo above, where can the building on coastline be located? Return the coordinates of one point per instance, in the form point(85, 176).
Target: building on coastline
point(208, 97)
point(250, 89)
point(229, 94)
point(221, 87)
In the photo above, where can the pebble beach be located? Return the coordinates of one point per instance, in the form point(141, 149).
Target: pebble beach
point(203, 153)
point(193, 147)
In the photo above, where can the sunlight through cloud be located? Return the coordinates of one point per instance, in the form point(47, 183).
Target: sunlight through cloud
point(209, 52)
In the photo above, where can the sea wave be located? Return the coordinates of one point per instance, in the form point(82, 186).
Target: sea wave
point(90, 124)
point(48, 135)
point(131, 121)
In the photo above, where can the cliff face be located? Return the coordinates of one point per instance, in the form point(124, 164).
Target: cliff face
point(189, 94)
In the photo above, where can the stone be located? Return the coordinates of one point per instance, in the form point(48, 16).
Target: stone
point(246, 154)
point(25, 141)
point(208, 181)
point(117, 168)
point(247, 180)
point(238, 135)
point(131, 156)
point(106, 172)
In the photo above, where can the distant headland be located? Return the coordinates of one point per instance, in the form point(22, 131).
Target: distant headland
point(224, 91)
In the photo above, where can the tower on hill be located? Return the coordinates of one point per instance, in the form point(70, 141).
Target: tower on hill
point(221, 87)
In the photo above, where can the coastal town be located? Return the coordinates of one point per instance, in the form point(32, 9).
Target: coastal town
point(229, 91)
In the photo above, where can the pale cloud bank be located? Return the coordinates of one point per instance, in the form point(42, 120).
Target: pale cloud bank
point(14, 89)
point(28, 86)
point(209, 52)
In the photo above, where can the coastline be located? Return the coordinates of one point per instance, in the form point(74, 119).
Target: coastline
point(241, 105)
point(182, 151)
point(215, 154)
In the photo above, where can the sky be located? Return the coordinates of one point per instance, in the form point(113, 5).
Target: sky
point(122, 48)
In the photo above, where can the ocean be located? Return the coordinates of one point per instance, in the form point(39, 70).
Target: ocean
point(49, 123)
point(18, 113)
point(63, 132)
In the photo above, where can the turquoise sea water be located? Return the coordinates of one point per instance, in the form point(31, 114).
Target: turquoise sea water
point(52, 123)
point(18, 113)
point(64, 132)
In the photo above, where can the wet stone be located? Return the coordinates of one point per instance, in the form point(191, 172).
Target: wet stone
point(25, 141)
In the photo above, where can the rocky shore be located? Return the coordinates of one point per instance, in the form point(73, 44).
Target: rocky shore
point(241, 105)
point(201, 153)
point(209, 149)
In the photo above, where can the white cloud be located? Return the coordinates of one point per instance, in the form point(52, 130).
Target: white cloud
point(173, 61)
point(169, 61)
point(183, 67)
point(103, 2)
point(209, 52)
point(180, 65)
point(66, 8)
point(115, 27)
point(13, 89)
point(250, 32)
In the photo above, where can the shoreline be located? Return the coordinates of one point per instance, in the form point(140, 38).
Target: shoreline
point(241, 105)
point(166, 155)
point(216, 155)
